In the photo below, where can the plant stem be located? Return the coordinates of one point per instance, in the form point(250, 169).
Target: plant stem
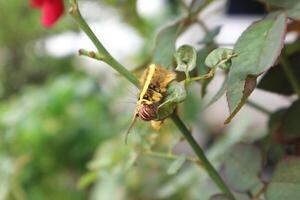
point(90, 54)
point(289, 73)
point(205, 76)
point(107, 58)
point(200, 154)
point(258, 107)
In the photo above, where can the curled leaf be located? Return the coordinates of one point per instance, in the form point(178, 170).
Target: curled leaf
point(176, 93)
point(220, 58)
point(186, 57)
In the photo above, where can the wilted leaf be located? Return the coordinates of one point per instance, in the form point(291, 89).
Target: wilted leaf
point(186, 57)
point(165, 45)
point(242, 167)
point(176, 165)
point(176, 93)
point(285, 182)
point(257, 49)
point(220, 58)
point(219, 197)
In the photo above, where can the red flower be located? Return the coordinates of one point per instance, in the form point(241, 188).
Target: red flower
point(51, 10)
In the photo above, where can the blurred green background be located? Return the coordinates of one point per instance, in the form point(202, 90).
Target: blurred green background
point(55, 114)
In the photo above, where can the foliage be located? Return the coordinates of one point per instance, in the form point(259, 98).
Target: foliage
point(62, 129)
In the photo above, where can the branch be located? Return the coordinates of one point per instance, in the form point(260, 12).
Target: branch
point(105, 55)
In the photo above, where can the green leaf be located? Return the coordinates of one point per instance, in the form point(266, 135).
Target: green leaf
point(176, 93)
point(186, 57)
point(292, 7)
point(200, 62)
point(276, 119)
point(291, 125)
point(242, 167)
point(218, 197)
point(176, 165)
point(281, 3)
point(210, 36)
point(220, 58)
point(87, 179)
point(257, 48)
point(285, 182)
point(203, 69)
point(275, 80)
point(294, 12)
point(285, 123)
point(165, 45)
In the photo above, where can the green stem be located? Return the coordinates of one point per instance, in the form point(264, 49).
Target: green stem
point(91, 54)
point(289, 73)
point(258, 107)
point(107, 58)
point(205, 76)
point(200, 154)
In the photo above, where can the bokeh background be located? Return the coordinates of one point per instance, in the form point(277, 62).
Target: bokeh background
point(63, 117)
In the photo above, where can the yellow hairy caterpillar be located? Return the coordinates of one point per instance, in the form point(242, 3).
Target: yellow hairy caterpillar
point(154, 83)
point(160, 93)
